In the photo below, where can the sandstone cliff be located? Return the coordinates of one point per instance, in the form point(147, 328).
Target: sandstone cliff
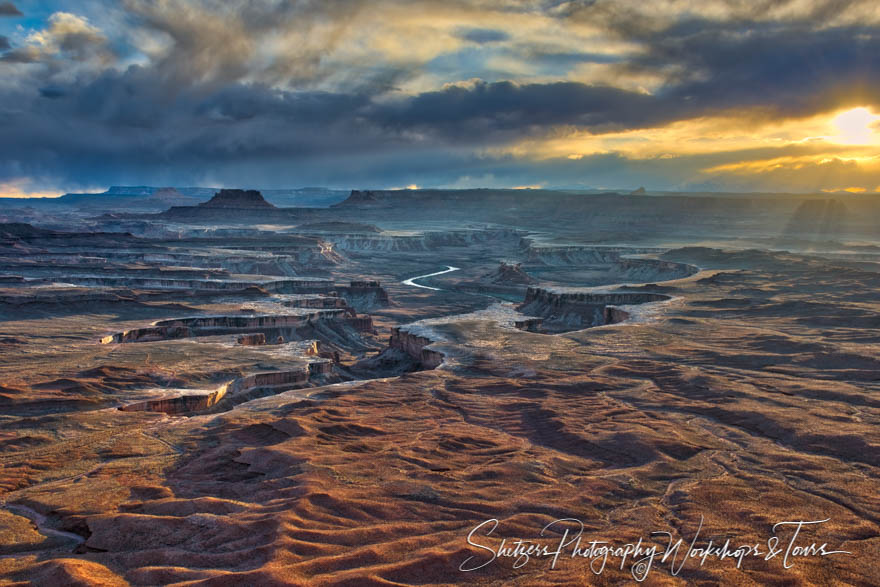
point(564, 310)
point(416, 347)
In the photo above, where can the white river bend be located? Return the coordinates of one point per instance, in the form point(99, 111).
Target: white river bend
point(412, 280)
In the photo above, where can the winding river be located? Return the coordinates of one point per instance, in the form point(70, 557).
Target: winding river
point(412, 280)
point(39, 520)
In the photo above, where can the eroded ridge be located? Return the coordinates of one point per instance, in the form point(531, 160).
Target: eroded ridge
point(240, 390)
point(563, 310)
point(272, 325)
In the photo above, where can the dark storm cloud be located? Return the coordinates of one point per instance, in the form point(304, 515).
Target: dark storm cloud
point(213, 104)
point(484, 110)
point(52, 92)
point(4, 43)
point(794, 65)
point(482, 36)
point(792, 70)
point(9, 9)
point(134, 119)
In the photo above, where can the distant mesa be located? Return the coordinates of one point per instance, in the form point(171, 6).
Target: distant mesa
point(237, 199)
point(638, 192)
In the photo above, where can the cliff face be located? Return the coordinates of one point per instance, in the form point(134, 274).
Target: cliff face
point(274, 382)
point(270, 326)
point(570, 255)
point(415, 346)
point(564, 311)
point(364, 295)
point(328, 302)
point(529, 324)
point(287, 259)
point(646, 270)
point(240, 199)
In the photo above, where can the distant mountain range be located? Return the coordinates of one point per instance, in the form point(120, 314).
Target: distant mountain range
point(149, 198)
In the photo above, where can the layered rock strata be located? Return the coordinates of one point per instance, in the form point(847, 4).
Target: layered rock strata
point(564, 310)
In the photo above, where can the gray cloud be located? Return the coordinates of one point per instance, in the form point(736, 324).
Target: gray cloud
point(489, 112)
point(21, 55)
point(9, 9)
point(792, 70)
point(215, 41)
point(482, 36)
point(4, 43)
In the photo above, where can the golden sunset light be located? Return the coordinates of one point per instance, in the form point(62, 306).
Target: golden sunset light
point(856, 127)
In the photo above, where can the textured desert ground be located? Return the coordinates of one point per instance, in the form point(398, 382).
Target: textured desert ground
point(701, 376)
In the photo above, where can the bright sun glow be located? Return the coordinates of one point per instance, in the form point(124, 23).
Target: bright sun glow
point(855, 127)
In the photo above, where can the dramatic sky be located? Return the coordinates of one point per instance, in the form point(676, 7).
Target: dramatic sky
point(721, 95)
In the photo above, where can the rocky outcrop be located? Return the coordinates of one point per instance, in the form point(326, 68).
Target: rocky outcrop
point(88, 268)
point(509, 274)
point(643, 270)
point(364, 295)
point(416, 347)
point(253, 339)
point(236, 390)
point(302, 285)
point(571, 255)
point(614, 315)
point(290, 285)
point(334, 328)
point(552, 297)
point(326, 302)
point(529, 324)
point(237, 199)
point(17, 233)
point(361, 324)
point(617, 262)
point(161, 283)
point(37, 297)
point(322, 368)
point(289, 260)
point(564, 310)
point(216, 325)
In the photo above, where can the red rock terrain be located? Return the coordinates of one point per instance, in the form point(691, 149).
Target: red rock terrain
point(724, 402)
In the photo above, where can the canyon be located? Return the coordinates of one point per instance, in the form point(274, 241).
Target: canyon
point(217, 387)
